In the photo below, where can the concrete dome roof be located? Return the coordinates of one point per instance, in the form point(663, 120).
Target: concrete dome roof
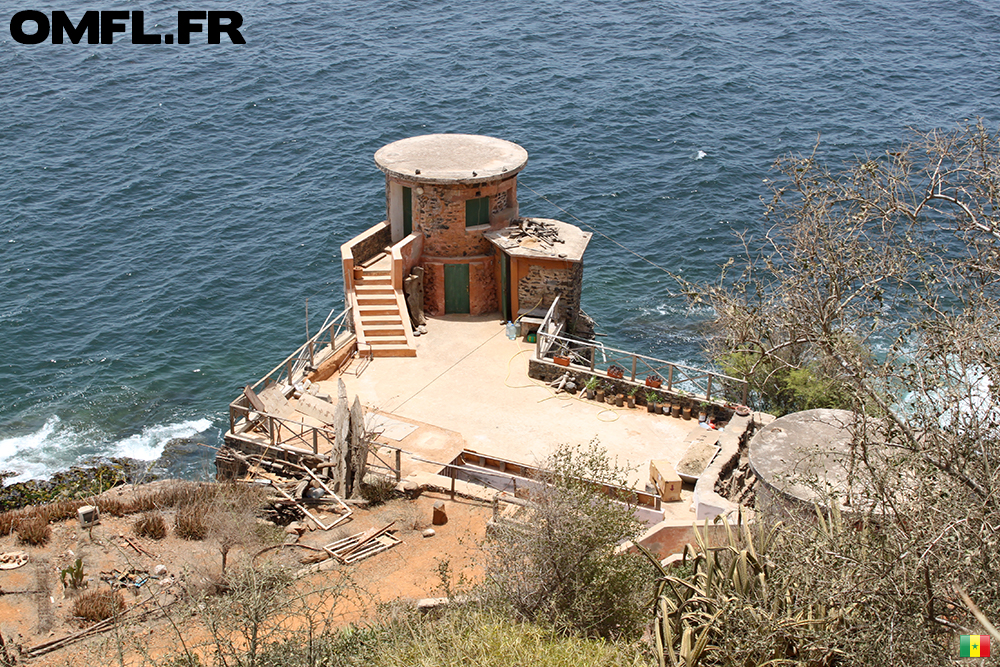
point(451, 158)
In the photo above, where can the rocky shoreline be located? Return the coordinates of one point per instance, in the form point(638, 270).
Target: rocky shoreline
point(87, 480)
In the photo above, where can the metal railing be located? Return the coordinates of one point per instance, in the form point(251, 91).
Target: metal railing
point(677, 379)
point(337, 330)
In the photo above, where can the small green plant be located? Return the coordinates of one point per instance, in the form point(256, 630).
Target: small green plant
point(633, 390)
point(72, 576)
point(591, 383)
point(651, 397)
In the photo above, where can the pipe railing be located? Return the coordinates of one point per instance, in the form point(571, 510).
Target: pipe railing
point(676, 379)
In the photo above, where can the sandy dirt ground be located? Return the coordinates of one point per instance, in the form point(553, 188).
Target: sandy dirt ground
point(35, 607)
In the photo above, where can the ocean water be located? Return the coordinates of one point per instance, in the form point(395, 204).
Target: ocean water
point(165, 211)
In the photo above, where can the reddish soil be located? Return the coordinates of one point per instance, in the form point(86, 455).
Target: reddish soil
point(34, 607)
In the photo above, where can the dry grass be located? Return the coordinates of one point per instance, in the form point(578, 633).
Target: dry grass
point(34, 531)
point(189, 522)
point(152, 525)
point(98, 605)
point(178, 494)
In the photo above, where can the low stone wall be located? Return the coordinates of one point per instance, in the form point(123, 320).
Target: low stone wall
point(370, 243)
point(547, 371)
point(546, 281)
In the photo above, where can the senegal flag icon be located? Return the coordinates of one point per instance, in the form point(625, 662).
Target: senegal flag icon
point(974, 646)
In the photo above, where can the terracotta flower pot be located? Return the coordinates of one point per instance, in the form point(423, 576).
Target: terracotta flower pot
point(561, 361)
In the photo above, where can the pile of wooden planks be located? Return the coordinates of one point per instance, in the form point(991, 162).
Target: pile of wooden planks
point(362, 545)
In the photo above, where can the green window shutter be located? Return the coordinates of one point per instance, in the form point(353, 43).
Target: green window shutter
point(477, 212)
point(407, 211)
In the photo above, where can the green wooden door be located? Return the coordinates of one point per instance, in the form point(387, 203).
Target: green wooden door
point(505, 285)
point(407, 212)
point(456, 288)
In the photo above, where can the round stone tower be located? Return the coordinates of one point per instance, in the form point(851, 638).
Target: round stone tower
point(451, 189)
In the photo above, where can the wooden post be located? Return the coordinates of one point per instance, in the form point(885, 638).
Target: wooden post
point(451, 470)
point(270, 428)
point(708, 390)
point(670, 378)
point(634, 360)
point(315, 441)
point(232, 421)
point(399, 467)
point(289, 369)
point(312, 357)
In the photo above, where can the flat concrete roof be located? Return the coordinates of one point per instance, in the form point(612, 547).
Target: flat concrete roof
point(451, 158)
point(518, 240)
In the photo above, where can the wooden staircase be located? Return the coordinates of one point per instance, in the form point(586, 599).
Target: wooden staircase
point(381, 318)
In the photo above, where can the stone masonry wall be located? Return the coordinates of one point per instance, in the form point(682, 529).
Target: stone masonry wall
point(543, 283)
point(439, 212)
point(372, 245)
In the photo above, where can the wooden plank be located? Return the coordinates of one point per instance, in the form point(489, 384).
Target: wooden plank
point(255, 401)
point(275, 402)
point(322, 410)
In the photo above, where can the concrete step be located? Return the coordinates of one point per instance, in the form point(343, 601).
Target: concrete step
point(384, 330)
point(374, 280)
point(393, 350)
point(373, 288)
point(378, 311)
point(376, 300)
point(383, 318)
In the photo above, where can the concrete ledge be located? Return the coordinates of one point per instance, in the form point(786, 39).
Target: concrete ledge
point(670, 537)
point(707, 502)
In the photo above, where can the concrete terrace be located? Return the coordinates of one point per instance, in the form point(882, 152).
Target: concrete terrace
point(468, 388)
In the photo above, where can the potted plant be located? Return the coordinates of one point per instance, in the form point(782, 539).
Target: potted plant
point(651, 398)
point(631, 395)
point(654, 381)
point(560, 360)
point(686, 410)
point(702, 411)
point(675, 410)
point(616, 372)
point(590, 386)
